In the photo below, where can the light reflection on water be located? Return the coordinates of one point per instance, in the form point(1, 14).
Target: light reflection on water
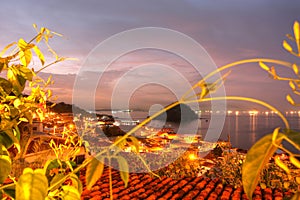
point(249, 129)
point(244, 130)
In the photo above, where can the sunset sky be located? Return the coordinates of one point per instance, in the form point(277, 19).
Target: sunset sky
point(228, 30)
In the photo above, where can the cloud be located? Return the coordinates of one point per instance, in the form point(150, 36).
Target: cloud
point(229, 31)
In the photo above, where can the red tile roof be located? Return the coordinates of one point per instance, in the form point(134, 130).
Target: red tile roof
point(145, 187)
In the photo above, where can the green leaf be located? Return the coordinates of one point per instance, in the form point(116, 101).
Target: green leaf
point(5, 140)
point(124, 169)
point(49, 165)
point(13, 138)
point(256, 159)
point(10, 191)
point(69, 193)
point(2, 64)
point(5, 85)
point(26, 73)
point(294, 137)
point(5, 167)
point(32, 185)
point(94, 171)
point(17, 82)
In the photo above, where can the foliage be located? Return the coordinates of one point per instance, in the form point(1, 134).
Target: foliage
point(228, 168)
point(59, 178)
point(273, 176)
point(184, 166)
point(255, 161)
point(17, 109)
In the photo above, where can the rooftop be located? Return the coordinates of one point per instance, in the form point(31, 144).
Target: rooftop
point(143, 186)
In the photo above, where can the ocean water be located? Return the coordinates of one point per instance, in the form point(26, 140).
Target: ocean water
point(243, 130)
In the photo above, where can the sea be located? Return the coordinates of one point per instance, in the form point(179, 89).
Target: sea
point(243, 129)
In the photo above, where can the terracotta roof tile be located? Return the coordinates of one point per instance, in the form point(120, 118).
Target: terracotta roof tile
point(145, 187)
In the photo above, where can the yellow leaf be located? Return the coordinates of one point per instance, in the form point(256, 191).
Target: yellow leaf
point(295, 161)
point(124, 169)
point(6, 48)
point(296, 31)
point(69, 193)
point(295, 68)
point(32, 185)
point(25, 57)
point(286, 46)
point(286, 185)
point(49, 93)
point(263, 185)
point(281, 164)
point(256, 161)
point(204, 92)
point(58, 34)
point(273, 72)
point(290, 100)
point(264, 66)
point(17, 103)
point(57, 178)
point(39, 54)
point(292, 85)
point(22, 44)
point(5, 166)
point(94, 171)
point(76, 183)
point(23, 119)
point(290, 37)
point(275, 134)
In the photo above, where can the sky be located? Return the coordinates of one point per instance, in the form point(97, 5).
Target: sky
point(227, 30)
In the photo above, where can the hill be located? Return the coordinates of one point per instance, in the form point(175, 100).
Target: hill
point(179, 113)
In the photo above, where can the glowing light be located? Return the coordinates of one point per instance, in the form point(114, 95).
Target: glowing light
point(267, 113)
point(116, 123)
point(229, 111)
point(237, 112)
point(54, 127)
point(253, 112)
point(192, 156)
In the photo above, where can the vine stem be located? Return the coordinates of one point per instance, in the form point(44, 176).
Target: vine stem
point(115, 143)
point(110, 179)
point(235, 64)
point(145, 122)
point(6, 186)
point(182, 100)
